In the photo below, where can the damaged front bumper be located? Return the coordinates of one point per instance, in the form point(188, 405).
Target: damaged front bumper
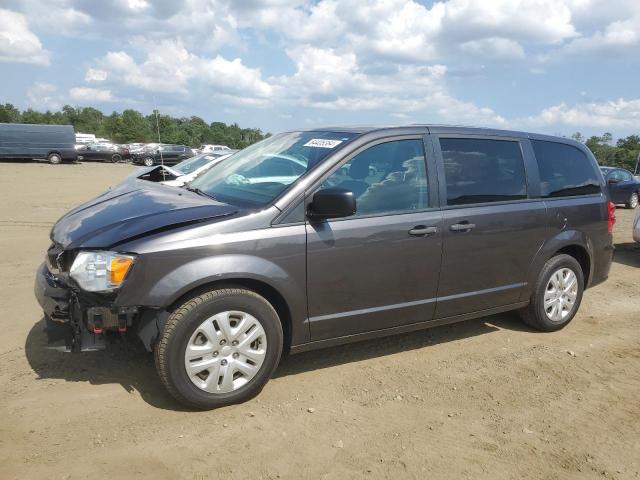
point(77, 322)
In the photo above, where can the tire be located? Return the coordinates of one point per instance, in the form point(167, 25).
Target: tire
point(633, 201)
point(191, 326)
point(148, 162)
point(115, 158)
point(535, 315)
point(54, 159)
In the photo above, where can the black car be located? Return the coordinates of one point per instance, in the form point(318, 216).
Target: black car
point(623, 186)
point(103, 152)
point(163, 154)
point(56, 143)
point(248, 261)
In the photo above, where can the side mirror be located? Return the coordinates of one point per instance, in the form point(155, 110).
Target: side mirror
point(332, 203)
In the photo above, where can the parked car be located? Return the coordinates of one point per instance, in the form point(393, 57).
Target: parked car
point(221, 277)
point(623, 186)
point(55, 143)
point(207, 148)
point(188, 170)
point(103, 152)
point(162, 154)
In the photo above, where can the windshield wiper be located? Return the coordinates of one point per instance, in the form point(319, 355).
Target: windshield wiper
point(201, 192)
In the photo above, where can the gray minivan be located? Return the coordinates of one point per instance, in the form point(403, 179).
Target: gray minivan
point(55, 143)
point(314, 238)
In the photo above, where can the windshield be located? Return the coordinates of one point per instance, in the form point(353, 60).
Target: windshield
point(257, 175)
point(193, 163)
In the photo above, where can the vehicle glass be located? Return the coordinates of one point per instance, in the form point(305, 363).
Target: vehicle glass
point(483, 170)
point(388, 177)
point(257, 175)
point(564, 170)
point(625, 176)
point(193, 164)
point(615, 175)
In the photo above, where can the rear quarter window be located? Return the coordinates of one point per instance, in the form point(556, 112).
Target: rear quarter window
point(565, 171)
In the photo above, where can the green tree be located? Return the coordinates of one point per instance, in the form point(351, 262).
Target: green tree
point(132, 126)
point(9, 114)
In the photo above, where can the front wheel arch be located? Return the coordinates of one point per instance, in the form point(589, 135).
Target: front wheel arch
point(270, 294)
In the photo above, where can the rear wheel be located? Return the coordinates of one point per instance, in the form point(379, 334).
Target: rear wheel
point(219, 348)
point(557, 294)
point(633, 201)
point(54, 159)
point(115, 158)
point(148, 162)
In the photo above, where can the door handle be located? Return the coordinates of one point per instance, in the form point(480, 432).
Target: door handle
point(421, 231)
point(462, 227)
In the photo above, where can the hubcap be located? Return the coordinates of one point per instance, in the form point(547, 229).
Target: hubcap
point(225, 352)
point(560, 294)
point(634, 200)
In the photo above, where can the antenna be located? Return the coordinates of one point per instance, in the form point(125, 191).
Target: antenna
point(159, 141)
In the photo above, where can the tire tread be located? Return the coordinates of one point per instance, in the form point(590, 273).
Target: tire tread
point(172, 323)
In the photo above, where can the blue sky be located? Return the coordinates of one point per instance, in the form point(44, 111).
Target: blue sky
point(553, 66)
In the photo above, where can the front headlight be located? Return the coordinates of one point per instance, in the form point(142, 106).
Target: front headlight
point(100, 271)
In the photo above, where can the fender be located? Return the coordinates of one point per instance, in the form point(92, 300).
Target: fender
point(186, 277)
point(561, 240)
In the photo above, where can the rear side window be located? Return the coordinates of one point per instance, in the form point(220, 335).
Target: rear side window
point(483, 170)
point(564, 170)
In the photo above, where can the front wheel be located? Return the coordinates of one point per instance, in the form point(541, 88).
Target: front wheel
point(557, 294)
point(633, 201)
point(219, 348)
point(115, 158)
point(148, 162)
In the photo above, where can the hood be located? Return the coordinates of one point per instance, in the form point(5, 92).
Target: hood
point(131, 209)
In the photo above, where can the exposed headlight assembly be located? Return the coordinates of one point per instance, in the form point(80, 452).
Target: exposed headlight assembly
point(100, 271)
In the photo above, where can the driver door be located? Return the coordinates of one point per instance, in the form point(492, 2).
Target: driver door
point(378, 268)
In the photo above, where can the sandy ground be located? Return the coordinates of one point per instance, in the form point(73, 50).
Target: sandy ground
point(487, 398)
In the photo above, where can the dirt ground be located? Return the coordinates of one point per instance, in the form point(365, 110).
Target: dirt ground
point(486, 398)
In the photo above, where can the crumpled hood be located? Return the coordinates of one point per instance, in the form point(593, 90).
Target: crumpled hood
point(133, 208)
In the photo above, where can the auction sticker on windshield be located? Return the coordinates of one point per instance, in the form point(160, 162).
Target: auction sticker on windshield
point(322, 143)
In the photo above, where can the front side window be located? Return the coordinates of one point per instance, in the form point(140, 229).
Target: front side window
point(564, 170)
point(386, 178)
point(483, 170)
point(257, 175)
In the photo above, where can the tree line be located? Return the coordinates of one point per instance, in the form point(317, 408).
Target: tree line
point(131, 126)
point(624, 153)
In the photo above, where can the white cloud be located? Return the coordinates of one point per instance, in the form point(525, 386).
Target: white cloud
point(620, 113)
point(17, 43)
point(90, 95)
point(43, 95)
point(496, 48)
point(169, 67)
point(95, 75)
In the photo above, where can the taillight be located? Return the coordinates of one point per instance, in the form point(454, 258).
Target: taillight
point(612, 216)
